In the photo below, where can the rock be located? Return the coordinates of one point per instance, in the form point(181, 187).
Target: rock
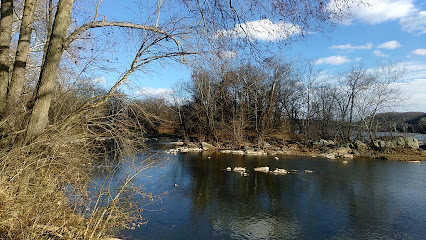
point(239, 169)
point(328, 155)
point(390, 144)
point(183, 149)
point(206, 146)
point(380, 144)
point(266, 145)
point(178, 143)
point(244, 174)
point(172, 151)
point(413, 161)
point(280, 171)
point(342, 151)
point(411, 142)
point(254, 151)
point(261, 169)
point(323, 142)
point(193, 145)
point(228, 169)
point(360, 146)
point(238, 152)
point(345, 162)
point(398, 141)
point(197, 149)
point(276, 158)
point(225, 151)
point(309, 171)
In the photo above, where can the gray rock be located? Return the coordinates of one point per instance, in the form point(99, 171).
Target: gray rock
point(323, 142)
point(193, 145)
point(398, 141)
point(411, 142)
point(178, 143)
point(360, 146)
point(390, 144)
point(380, 144)
point(265, 144)
point(254, 151)
point(206, 146)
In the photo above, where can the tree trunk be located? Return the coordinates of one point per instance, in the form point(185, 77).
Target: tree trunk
point(23, 48)
point(351, 115)
point(46, 83)
point(5, 37)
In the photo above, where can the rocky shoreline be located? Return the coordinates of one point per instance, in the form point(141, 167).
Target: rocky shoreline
point(396, 149)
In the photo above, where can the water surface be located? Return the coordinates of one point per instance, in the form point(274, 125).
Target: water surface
point(364, 199)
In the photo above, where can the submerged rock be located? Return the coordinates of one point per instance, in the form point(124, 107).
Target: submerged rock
point(261, 169)
point(240, 169)
point(254, 152)
point(280, 171)
point(238, 152)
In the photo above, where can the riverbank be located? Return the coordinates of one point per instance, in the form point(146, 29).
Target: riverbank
point(395, 149)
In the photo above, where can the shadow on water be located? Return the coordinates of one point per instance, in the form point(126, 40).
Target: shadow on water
point(363, 199)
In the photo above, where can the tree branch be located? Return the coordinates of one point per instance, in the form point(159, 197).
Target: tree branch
point(77, 32)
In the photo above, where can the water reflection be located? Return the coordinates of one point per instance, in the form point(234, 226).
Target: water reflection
point(361, 200)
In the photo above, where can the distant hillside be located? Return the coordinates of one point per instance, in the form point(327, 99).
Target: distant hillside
point(414, 122)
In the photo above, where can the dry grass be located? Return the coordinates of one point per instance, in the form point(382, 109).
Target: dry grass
point(44, 185)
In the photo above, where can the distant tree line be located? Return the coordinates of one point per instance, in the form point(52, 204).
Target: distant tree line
point(412, 122)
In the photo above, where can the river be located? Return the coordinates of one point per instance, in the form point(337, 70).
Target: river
point(364, 199)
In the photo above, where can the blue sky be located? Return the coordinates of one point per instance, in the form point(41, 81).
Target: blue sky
point(389, 30)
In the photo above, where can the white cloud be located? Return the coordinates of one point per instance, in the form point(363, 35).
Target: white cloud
point(390, 45)
point(350, 47)
point(415, 23)
point(415, 91)
point(333, 60)
point(419, 51)
point(415, 70)
point(99, 79)
point(375, 11)
point(379, 53)
point(154, 92)
point(263, 29)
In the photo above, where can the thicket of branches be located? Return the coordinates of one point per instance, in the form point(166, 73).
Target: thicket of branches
point(281, 100)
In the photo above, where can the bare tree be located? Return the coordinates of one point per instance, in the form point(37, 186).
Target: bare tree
point(353, 83)
point(382, 94)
